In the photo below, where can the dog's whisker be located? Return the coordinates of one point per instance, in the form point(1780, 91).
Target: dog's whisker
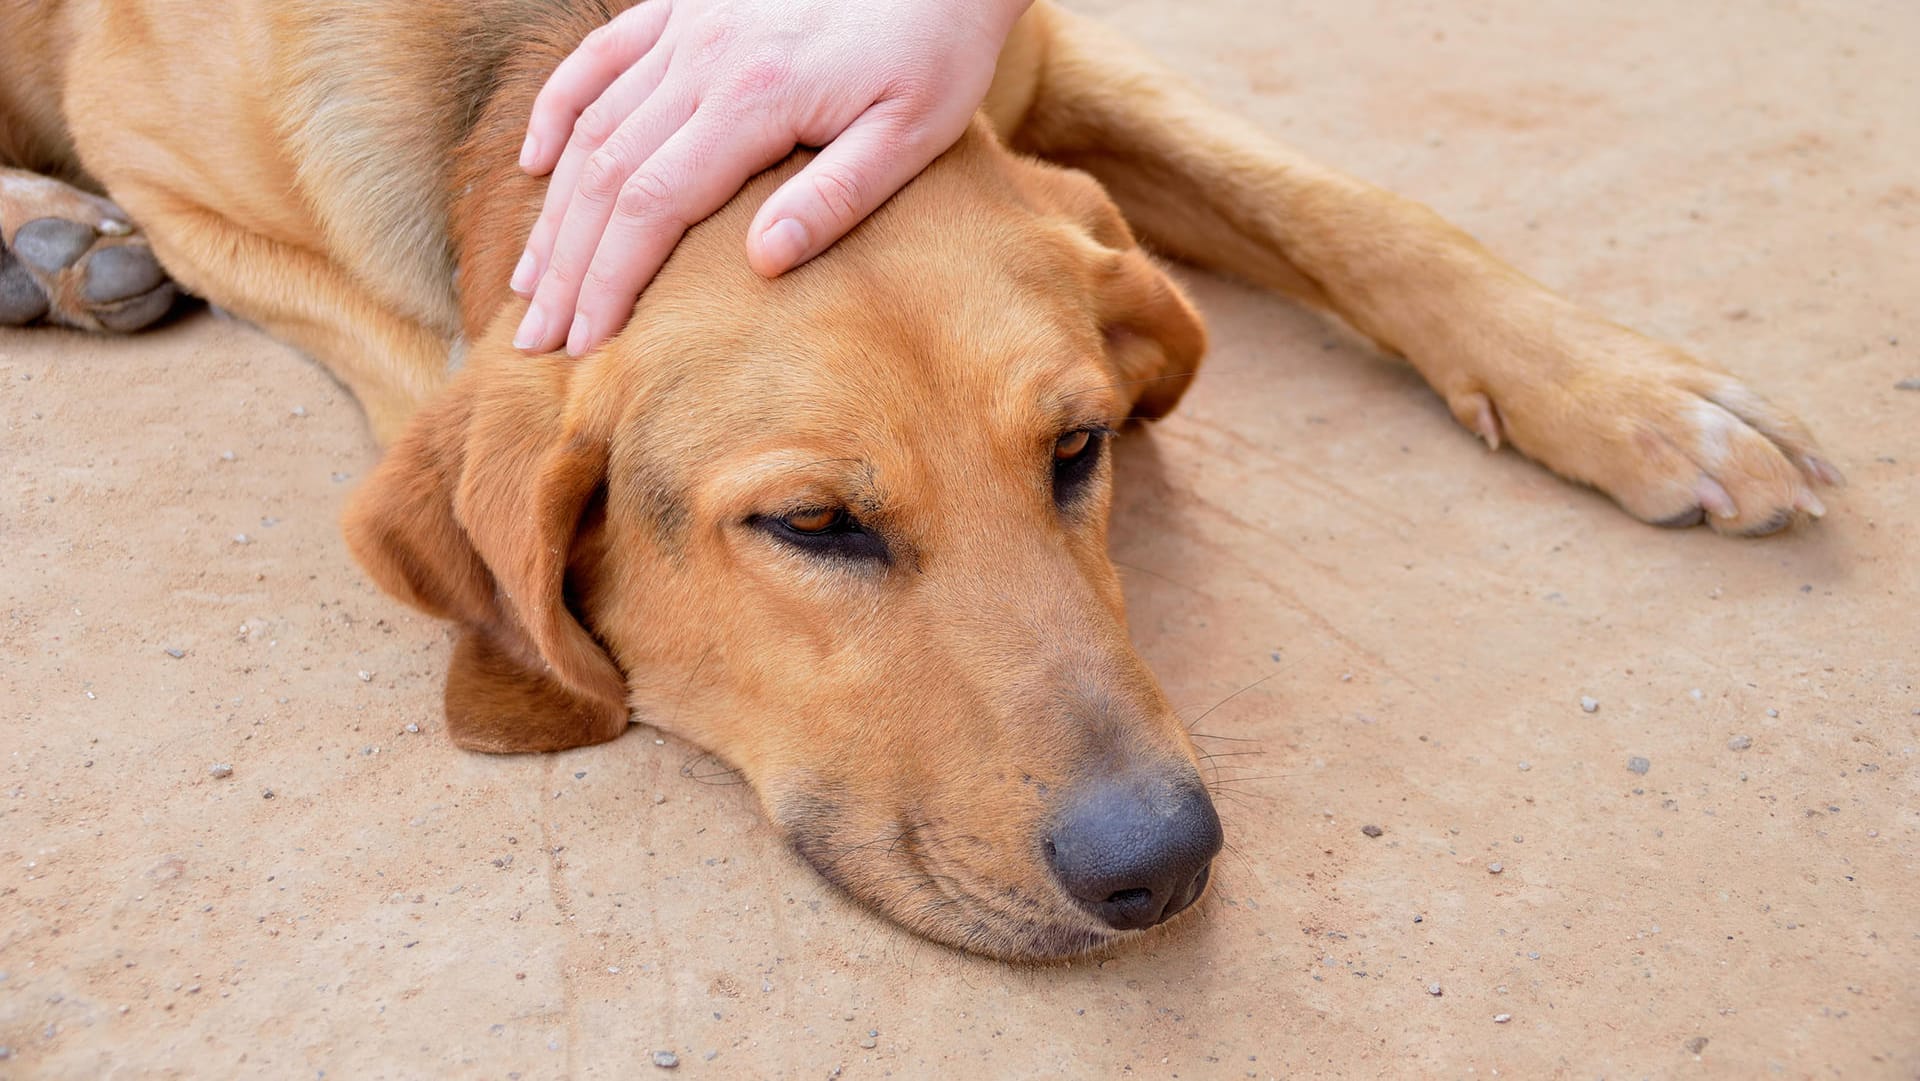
point(1156, 574)
point(1209, 711)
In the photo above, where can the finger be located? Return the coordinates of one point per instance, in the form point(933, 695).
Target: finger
point(692, 175)
point(584, 75)
point(876, 156)
point(549, 317)
point(596, 125)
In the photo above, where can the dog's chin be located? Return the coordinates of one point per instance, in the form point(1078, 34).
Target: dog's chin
point(896, 875)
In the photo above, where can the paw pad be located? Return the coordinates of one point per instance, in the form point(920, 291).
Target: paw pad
point(72, 258)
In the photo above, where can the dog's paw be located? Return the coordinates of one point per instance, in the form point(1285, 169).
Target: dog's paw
point(1675, 441)
point(71, 258)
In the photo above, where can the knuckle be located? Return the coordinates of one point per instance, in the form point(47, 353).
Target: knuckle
point(602, 42)
point(840, 193)
point(714, 39)
point(595, 125)
point(761, 74)
point(603, 174)
point(560, 273)
point(645, 195)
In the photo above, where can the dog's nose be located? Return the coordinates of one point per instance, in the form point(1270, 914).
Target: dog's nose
point(1135, 849)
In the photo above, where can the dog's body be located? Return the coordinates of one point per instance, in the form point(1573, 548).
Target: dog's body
point(845, 528)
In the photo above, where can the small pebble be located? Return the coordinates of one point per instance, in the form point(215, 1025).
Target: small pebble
point(242, 538)
point(220, 769)
point(869, 1042)
point(1434, 990)
point(666, 1060)
point(1773, 712)
point(299, 410)
point(1908, 384)
point(1525, 766)
point(176, 654)
point(366, 676)
point(1372, 831)
point(659, 798)
point(227, 456)
point(1495, 868)
point(413, 728)
point(1637, 764)
point(1591, 705)
point(1739, 743)
point(266, 793)
point(1502, 1018)
point(1697, 1044)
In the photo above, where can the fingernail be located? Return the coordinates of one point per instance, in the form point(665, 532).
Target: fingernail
point(528, 151)
point(532, 329)
point(523, 276)
point(784, 243)
point(577, 337)
point(1810, 503)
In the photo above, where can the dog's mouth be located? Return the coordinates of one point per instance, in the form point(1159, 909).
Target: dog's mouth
point(1091, 876)
point(910, 874)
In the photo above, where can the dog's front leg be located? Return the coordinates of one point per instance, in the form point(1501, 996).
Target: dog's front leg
point(1672, 438)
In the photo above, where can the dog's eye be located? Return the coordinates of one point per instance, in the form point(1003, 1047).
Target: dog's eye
point(1076, 456)
point(819, 520)
point(825, 531)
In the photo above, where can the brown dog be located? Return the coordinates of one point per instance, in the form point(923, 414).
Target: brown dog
point(846, 528)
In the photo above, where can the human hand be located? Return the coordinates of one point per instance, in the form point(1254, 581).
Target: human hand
point(660, 116)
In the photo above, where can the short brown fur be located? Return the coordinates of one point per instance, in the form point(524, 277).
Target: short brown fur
point(597, 529)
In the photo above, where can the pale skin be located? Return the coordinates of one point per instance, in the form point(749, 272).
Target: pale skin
point(661, 115)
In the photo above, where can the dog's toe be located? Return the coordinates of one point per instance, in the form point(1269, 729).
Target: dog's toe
point(125, 287)
point(120, 272)
point(21, 299)
point(50, 245)
point(74, 260)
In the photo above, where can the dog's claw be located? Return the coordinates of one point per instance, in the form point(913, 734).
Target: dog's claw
point(1476, 414)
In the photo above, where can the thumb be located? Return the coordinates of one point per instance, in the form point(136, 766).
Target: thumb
point(872, 159)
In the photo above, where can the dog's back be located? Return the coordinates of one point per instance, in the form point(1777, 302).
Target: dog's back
point(356, 107)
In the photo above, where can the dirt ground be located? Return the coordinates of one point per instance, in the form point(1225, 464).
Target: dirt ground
point(359, 899)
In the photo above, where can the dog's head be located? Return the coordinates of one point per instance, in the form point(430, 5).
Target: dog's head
point(847, 530)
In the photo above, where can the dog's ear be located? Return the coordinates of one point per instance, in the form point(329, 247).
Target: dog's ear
point(1154, 338)
point(472, 516)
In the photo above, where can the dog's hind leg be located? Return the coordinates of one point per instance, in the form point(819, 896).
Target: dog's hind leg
point(1671, 438)
point(74, 259)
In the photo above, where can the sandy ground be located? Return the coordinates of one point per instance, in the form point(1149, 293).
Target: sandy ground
point(361, 900)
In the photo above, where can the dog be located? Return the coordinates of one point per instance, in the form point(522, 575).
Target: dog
point(846, 529)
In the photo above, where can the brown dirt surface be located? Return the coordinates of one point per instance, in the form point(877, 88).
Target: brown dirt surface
point(1737, 178)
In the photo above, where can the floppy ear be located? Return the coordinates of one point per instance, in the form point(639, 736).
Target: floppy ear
point(1155, 339)
point(471, 516)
